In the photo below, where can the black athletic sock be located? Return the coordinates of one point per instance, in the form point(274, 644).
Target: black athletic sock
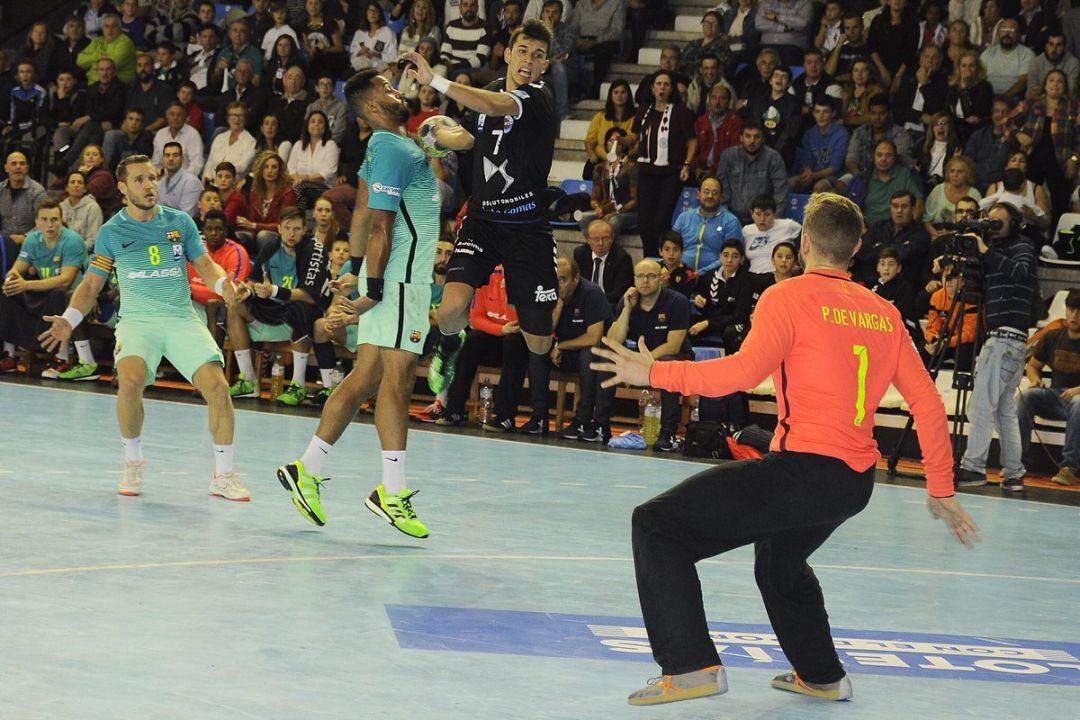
point(324, 353)
point(449, 344)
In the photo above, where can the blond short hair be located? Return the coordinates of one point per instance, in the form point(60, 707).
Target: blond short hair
point(834, 225)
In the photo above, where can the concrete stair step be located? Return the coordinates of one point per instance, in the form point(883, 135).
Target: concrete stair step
point(574, 129)
point(672, 36)
point(565, 143)
point(575, 155)
point(649, 57)
point(689, 23)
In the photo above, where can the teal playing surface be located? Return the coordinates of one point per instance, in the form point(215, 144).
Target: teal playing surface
point(179, 605)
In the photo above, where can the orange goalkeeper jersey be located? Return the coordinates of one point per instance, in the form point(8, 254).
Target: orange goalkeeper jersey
point(832, 348)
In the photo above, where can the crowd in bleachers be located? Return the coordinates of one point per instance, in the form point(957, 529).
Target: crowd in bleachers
point(924, 114)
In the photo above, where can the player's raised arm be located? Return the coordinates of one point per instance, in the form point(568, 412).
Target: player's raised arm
point(478, 99)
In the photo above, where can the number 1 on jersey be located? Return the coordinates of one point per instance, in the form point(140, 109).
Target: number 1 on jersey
point(860, 396)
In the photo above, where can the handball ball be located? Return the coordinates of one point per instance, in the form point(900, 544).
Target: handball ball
point(426, 135)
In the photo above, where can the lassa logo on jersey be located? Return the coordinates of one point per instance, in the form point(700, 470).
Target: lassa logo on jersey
point(151, 274)
point(386, 189)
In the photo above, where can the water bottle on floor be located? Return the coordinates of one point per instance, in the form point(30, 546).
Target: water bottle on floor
point(650, 427)
point(277, 376)
point(485, 410)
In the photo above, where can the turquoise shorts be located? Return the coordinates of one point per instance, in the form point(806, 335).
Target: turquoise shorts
point(400, 320)
point(261, 332)
point(185, 342)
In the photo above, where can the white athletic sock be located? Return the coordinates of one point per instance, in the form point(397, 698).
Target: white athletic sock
point(299, 368)
point(224, 461)
point(9, 348)
point(441, 397)
point(393, 471)
point(132, 449)
point(327, 377)
point(64, 352)
point(315, 455)
point(86, 355)
point(243, 361)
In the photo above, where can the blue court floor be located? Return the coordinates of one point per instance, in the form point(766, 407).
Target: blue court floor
point(520, 605)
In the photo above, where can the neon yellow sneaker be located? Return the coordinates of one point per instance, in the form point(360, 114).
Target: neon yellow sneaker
point(687, 686)
point(441, 368)
point(304, 488)
point(791, 682)
point(243, 388)
point(294, 394)
point(396, 510)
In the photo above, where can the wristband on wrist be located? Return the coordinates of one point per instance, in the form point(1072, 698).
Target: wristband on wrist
point(355, 262)
point(440, 84)
point(73, 317)
point(219, 285)
point(375, 288)
point(281, 293)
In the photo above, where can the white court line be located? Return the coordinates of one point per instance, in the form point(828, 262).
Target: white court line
point(914, 502)
point(174, 472)
point(575, 484)
point(462, 479)
point(55, 472)
point(516, 482)
point(631, 487)
point(1027, 510)
point(494, 558)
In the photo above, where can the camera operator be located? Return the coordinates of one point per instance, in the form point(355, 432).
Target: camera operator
point(1008, 263)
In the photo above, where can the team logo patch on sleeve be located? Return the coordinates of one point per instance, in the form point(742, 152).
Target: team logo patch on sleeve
point(386, 189)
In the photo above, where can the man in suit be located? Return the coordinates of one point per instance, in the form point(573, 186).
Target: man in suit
point(604, 263)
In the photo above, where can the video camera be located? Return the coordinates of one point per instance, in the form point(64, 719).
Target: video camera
point(960, 241)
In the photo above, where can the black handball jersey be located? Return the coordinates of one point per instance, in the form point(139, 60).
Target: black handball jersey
point(512, 157)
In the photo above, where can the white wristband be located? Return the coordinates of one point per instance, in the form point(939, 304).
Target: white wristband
point(273, 291)
point(219, 285)
point(73, 316)
point(440, 83)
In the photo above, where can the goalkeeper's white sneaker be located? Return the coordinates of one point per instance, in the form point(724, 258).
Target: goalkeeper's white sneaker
point(131, 480)
point(228, 486)
point(837, 691)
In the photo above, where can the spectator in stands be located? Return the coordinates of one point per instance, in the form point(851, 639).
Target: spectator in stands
point(581, 316)
point(785, 265)
point(986, 27)
point(66, 103)
point(425, 105)
point(1071, 23)
point(261, 20)
point(619, 111)
point(902, 230)
point(830, 28)
point(814, 82)
point(892, 285)
point(231, 257)
point(422, 23)
point(373, 45)
point(893, 40)
point(66, 53)
point(666, 149)
point(717, 130)
point(1059, 348)
point(337, 116)
point(970, 96)
point(749, 170)
point(493, 338)
point(851, 49)
point(201, 60)
point(921, 93)
point(670, 58)
point(607, 265)
point(661, 317)
point(940, 145)
point(957, 42)
point(704, 229)
point(707, 75)
point(291, 106)
point(784, 25)
point(114, 45)
point(1007, 61)
point(779, 113)
point(37, 49)
point(279, 11)
point(132, 25)
point(754, 81)
point(178, 188)
point(761, 237)
point(100, 182)
point(614, 190)
point(723, 298)
point(104, 111)
point(453, 9)
point(676, 274)
point(149, 95)
point(353, 150)
point(209, 201)
point(326, 229)
point(941, 202)
point(1037, 23)
point(599, 26)
point(1047, 130)
point(57, 256)
point(271, 192)
point(25, 121)
point(873, 189)
point(819, 159)
point(931, 30)
point(742, 34)
point(92, 13)
point(712, 43)
point(177, 131)
point(857, 94)
point(860, 154)
point(286, 53)
point(509, 20)
point(269, 137)
point(244, 92)
point(239, 48)
point(287, 278)
point(174, 22)
point(949, 315)
point(1030, 197)
point(19, 197)
point(228, 184)
point(80, 211)
point(235, 146)
point(167, 67)
point(561, 67)
point(313, 161)
point(1054, 57)
point(205, 13)
point(466, 42)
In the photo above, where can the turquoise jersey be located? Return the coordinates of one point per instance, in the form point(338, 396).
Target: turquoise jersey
point(150, 260)
point(399, 178)
point(280, 270)
point(69, 251)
